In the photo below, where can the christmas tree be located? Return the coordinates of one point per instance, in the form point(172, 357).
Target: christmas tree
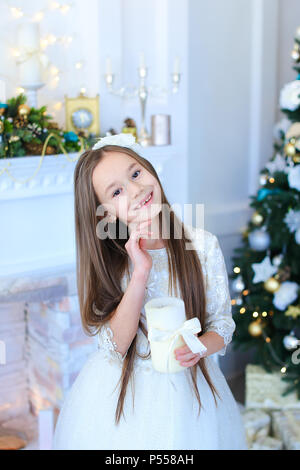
point(266, 272)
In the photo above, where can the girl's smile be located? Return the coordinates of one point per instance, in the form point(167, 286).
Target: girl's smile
point(146, 201)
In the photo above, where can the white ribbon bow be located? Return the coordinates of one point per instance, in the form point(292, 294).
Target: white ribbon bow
point(187, 330)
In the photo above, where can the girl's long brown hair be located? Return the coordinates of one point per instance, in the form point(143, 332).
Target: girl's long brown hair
point(102, 263)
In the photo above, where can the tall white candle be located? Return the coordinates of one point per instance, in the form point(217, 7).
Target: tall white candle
point(142, 60)
point(165, 313)
point(176, 65)
point(2, 92)
point(29, 45)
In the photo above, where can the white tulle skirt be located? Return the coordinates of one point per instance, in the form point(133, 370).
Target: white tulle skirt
point(162, 418)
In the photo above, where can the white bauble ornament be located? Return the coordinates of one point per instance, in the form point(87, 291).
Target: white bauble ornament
point(285, 295)
point(297, 236)
point(238, 284)
point(276, 261)
point(263, 179)
point(290, 342)
point(259, 240)
point(289, 96)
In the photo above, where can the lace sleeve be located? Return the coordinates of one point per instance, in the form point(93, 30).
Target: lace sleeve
point(218, 302)
point(106, 342)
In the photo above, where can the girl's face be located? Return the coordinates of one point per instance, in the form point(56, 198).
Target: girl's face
point(122, 184)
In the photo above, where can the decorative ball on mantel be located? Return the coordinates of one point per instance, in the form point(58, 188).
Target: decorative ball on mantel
point(23, 110)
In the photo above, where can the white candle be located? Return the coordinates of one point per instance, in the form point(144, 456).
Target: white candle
point(108, 66)
point(2, 92)
point(165, 313)
point(176, 65)
point(142, 60)
point(29, 45)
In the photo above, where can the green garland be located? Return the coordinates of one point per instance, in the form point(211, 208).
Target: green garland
point(21, 133)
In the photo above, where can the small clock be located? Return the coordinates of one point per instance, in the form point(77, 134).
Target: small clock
point(82, 114)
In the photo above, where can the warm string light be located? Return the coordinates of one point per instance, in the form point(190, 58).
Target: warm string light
point(264, 314)
point(48, 40)
point(275, 357)
point(58, 106)
point(39, 15)
point(16, 12)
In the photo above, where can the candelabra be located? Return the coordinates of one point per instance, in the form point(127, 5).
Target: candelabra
point(143, 92)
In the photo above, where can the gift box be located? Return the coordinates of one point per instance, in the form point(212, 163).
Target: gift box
point(266, 443)
point(264, 390)
point(286, 426)
point(257, 424)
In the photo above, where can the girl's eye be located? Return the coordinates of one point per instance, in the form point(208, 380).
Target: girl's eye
point(137, 171)
point(114, 194)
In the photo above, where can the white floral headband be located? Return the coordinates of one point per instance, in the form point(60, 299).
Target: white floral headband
point(122, 140)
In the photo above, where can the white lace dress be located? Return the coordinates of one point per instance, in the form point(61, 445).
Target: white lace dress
point(161, 418)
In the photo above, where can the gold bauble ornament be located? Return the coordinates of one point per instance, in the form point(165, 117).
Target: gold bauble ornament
point(271, 285)
point(289, 149)
point(255, 328)
point(257, 218)
point(23, 110)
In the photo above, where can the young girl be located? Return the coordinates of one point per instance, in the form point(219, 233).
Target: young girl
point(118, 400)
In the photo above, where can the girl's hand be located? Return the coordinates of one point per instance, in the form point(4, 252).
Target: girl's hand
point(186, 357)
point(139, 256)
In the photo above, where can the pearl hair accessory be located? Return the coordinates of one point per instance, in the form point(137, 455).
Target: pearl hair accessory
point(122, 140)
